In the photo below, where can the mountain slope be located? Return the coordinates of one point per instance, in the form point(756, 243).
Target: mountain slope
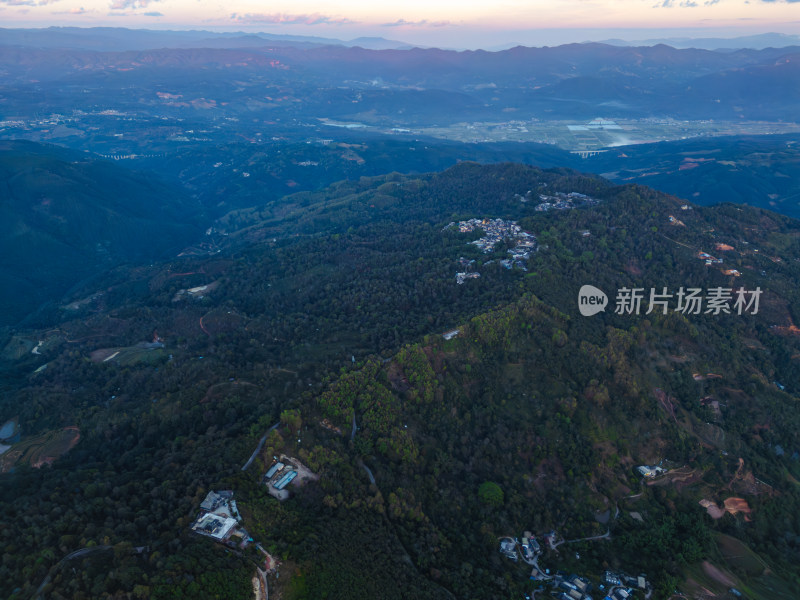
point(554, 408)
point(761, 171)
point(64, 217)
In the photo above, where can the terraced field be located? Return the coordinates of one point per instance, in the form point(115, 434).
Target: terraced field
point(40, 450)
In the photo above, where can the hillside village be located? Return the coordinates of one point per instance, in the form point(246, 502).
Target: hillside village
point(564, 201)
point(614, 586)
point(496, 231)
point(502, 230)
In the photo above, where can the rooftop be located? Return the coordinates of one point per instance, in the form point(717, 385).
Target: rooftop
point(215, 526)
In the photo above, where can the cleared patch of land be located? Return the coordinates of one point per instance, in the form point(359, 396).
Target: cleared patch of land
point(40, 450)
point(680, 478)
point(130, 355)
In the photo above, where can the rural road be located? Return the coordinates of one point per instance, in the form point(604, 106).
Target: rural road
point(259, 447)
point(606, 535)
point(368, 470)
point(70, 556)
point(361, 462)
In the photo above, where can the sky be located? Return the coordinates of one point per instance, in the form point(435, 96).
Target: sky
point(445, 23)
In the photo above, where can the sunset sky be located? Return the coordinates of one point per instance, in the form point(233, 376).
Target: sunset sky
point(453, 23)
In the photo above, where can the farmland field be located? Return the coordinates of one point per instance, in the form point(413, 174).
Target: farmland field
point(40, 450)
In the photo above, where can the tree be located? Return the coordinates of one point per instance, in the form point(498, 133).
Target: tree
point(291, 417)
point(491, 494)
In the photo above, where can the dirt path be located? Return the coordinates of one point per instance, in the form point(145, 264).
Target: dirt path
point(606, 535)
point(203, 327)
point(677, 242)
point(738, 474)
point(666, 403)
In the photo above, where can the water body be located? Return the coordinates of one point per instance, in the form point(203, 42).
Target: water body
point(9, 432)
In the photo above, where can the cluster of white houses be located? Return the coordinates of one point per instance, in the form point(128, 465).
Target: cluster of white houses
point(219, 518)
point(496, 231)
point(564, 201)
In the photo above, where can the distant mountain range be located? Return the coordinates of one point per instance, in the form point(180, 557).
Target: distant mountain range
point(755, 42)
point(415, 86)
point(110, 39)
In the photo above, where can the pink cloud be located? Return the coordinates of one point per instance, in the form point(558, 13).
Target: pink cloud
point(284, 19)
point(125, 4)
point(27, 2)
point(74, 11)
point(422, 23)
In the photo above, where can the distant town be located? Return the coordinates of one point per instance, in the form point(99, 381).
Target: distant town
point(586, 138)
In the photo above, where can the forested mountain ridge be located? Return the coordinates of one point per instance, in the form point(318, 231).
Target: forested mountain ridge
point(758, 171)
point(66, 217)
point(554, 408)
point(418, 84)
point(72, 238)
